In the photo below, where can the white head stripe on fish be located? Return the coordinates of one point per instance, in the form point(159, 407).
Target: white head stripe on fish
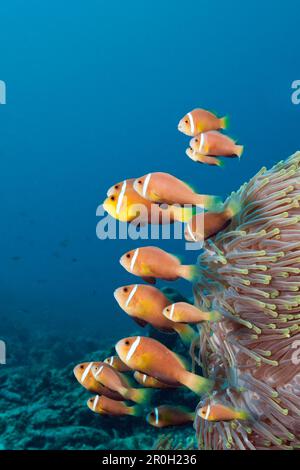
point(121, 197)
point(111, 361)
point(133, 291)
point(156, 415)
point(172, 311)
point(146, 183)
point(99, 371)
point(133, 348)
point(191, 122)
point(95, 402)
point(201, 145)
point(191, 233)
point(144, 378)
point(207, 412)
point(135, 255)
point(87, 370)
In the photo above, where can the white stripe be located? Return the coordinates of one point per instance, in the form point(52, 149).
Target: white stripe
point(156, 415)
point(95, 402)
point(191, 233)
point(146, 183)
point(99, 371)
point(201, 145)
point(120, 198)
point(87, 370)
point(144, 378)
point(133, 348)
point(191, 123)
point(134, 259)
point(133, 291)
point(172, 311)
point(111, 360)
point(207, 412)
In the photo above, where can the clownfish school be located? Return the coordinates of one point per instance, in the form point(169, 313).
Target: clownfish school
point(125, 385)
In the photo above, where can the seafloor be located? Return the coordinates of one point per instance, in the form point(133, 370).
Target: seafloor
point(44, 407)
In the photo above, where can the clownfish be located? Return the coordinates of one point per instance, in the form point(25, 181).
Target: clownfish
point(106, 406)
point(219, 412)
point(145, 305)
point(164, 188)
point(186, 313)
point(200, 120)
point(84, 375)
point(203, 226)
point(216, 144)
point(151, 382)
point(153, 358)
point(114, 380)
point(150, 263)
point(205, 159)
point(165, 415)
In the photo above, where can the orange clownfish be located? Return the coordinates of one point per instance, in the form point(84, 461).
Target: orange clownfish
point(186, 313)
point(114, 380)
point(150, 263)
point(145, 305)
point(151, 382)
point(219, 412)
point(200, 120)
point(165, 415)
point(153, 358)
point(164, 188)
point(205, 159)
point(203, 226)
point(106, 406)
point(84, 375)
point(216, 144)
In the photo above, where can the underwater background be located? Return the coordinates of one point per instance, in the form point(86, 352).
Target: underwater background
point(94, 94)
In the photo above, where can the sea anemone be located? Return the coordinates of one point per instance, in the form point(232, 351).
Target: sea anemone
point(250, 274)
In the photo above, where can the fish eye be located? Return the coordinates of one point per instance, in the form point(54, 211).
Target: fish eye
point(196, 140)
point(82, 366)
point(139, 181)
point(112, 198)
point(186, 121)
point(167, 309)
point(125, 289)
point(152, 413)
point(127, 342)
point(117, 186)
point(95, 368)
point(91, 400)
point(128, 255)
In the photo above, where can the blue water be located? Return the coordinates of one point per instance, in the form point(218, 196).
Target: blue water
point(94, 94)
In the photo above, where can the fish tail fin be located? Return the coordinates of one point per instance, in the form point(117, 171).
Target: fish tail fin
point(136, 410)
point(233, 206)
point(243, 415)
point(189, 272)
point(224, 122)
point(184, 214)
point(186, 333)
point(138, 395)
point(210, 203)
point(199, 385)
point(239, 150)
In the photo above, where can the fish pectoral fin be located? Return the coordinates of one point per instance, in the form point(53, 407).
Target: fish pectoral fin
point(140, 322)
point(154, 196)
point(149, 279)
